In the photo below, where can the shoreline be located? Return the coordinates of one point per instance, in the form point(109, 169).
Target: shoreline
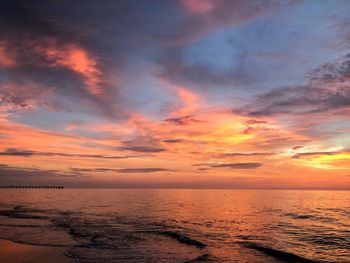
point(14, 252)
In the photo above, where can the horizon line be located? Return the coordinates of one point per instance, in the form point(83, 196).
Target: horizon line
point(175, 188)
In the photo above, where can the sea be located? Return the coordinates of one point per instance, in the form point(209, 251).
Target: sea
point(181, 225)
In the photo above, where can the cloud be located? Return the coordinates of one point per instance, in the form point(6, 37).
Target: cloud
point(74, 58)
point(61, 61)
point(122, 170)
point(312, 154)
point(327, 89)
point(29, 96)
point(17, 152)
point(143, 149)
point(144, 170)
point(203, 17)
point(173, 140)
point(86, 71)
point(13, 175)
point(238, 165)
point(6, 61)
point(203, 169)
point(182, 120)
point(175, 69)
point(95, 170)
point(201, 7)
point(235, 165)
point(298, 147)
point(239, 154)
point(29, 153)
point(253, 122)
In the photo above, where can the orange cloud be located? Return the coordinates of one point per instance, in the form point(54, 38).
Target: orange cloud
point(328, 160)
point(188, 102)
point(79, 60)
point(70, 55)
point(209, 142)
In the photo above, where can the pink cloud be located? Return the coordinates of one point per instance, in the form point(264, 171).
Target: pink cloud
point(68, 55)
point(200, 7)
point(57, 54)
point(80, 61)
point(6, 60)
point(27, 96)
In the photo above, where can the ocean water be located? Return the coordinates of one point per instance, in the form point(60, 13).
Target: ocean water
point(113, 225)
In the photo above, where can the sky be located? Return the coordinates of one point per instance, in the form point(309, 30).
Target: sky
point(175, 93)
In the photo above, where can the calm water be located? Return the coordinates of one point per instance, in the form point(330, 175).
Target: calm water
point(182, 225)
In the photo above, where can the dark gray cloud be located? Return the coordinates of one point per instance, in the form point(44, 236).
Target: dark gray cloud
point(12, 175)
point(182, 120)
point(144, 141)
point(327, 89)
point(123, 170)
point(95, 170)
point(17, 152)
point(203, 169)
point(173, 140)
point(237, 165)
point(143, 149)
point(298, 147)
point(29, 153)
point(144, 170)
point(302, 99)
point(230, 165)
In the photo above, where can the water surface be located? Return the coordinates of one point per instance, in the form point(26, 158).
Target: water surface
point(113, 225)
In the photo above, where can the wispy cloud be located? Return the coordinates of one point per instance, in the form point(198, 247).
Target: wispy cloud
point(29, 153)
point(326, 90)
point(232, 165)
point(142, 149)
point(311, 154)
point(122, 170)
point(182, 120)
point(238, 154)
point(116, 90)
point(16, 175)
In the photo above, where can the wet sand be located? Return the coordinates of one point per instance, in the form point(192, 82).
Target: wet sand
point(21, 253)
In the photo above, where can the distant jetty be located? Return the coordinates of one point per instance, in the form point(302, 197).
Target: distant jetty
point(31, 187)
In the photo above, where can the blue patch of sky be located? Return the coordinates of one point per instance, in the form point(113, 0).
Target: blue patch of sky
point(143, 91)
point(276, 50)
point(55, 121)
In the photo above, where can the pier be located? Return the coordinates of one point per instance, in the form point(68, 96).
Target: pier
point(31, 187)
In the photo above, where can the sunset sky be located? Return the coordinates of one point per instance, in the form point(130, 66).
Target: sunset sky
point(175, 93)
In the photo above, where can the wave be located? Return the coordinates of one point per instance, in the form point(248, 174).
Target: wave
point(202, 258)
point(184, 239)
point(278, 254)
point(22, 212)
point(298, 216)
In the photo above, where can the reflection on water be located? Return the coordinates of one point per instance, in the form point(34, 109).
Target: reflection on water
point(182, 225)
point(15, 253)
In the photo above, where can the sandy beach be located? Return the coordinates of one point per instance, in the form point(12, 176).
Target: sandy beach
point(22, 253)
